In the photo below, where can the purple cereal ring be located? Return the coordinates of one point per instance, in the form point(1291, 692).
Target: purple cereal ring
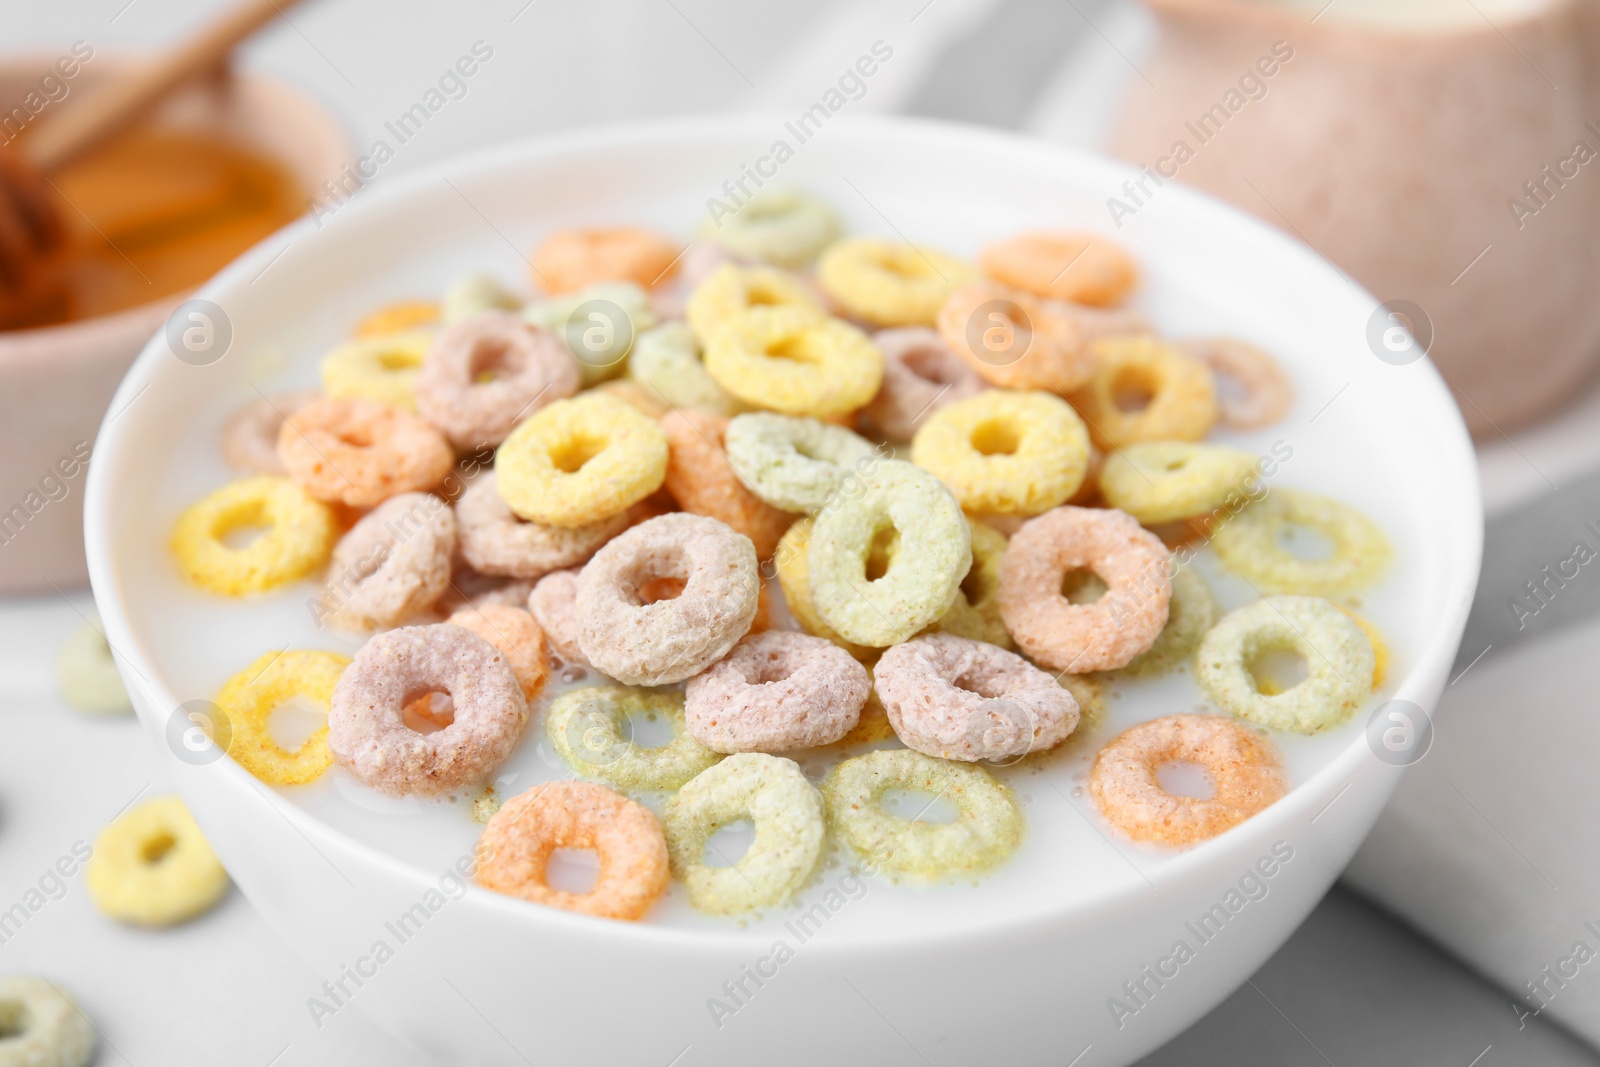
point(366, 725)
point(495, 540)
point(960, 699)
point(658, 643)
point(250, 437)
point(526, 368)
point(776, 692)
point(392, 564)
point(920, 375)
point(553, 603)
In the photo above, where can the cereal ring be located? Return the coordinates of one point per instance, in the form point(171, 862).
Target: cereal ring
point(402, 316)
point(975, 613)
point(359, 452)
point(773, 794)
point(1191, 612)
point(483, 375)
point(1251, 545)
point(775, 226)
point(1264, 393)
point(776, 692)
point(1244, 768)
point(987, 828)
point(1062, 635)
point(731, 290)
point(598, 326)
point(43, 1025)
point(1085, 268)
point(475, 294)
point(1338, 658)
point(366, 724)
point(553, 603)
point(495, 541)
point(393, 564)
point(920, 375)
point(920, 583)
point(795, 464)
point(513, 631)
point(794, 577)
point(670, 640)
point(666, 360)
point(1013, 341)
point(702, 481)
point(569, 260)
point(517, 844)
point(792, 361)
point(1181, 396)
point(1006, 453)
point(1160, 481)
point(86, 673)
point(299, 535)
point(967, 700)
point(250, 437)
point(381, 369)
point(889, 283)
point(581, 460)
point(152, 866)
point(592, 729)
point(248, 699)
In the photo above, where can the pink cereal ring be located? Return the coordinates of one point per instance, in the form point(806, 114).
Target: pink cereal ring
point(484, 374)
point(1103, 635)
point(494, 540)
point(960, 699)
point(920, 375)
point(553, 603)
point(776, 692)
point(366, 724)
point(394, 563)
point(1267, 392)
point(350, 450)
point(250, 437)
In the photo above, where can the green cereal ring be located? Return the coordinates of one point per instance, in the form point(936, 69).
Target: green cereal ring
point(924, 572)
point(776, 225)
point(986, 830)
point(976, 611)
point(473, 295)
point(1005, 453)
point(591, 729)
point(599, 325)
point(772, 793)
point(1338, 656)
point(1190, 614)
point(87, 675)
point(666, 360)
point(1248, 544)
point(1160, 481)
point(794, 463)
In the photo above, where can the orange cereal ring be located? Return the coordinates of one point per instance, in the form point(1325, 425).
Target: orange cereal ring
point(569, 260)
point(516, 846)
point(516, 635)
point(1016, 341)
point(398, 317)
point(1085, 268)
point(1265, 393)
point(360, 452)
point(702, 482)
point(1143, 390)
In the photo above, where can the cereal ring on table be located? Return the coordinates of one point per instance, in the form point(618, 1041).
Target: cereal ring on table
point(1191, 612)
point(382, 369)
point(581, 460)
point(795, 464)
point(975, 613)
point(249, 698)
point(402, 316)
point(44, 1027)
point(1160, 481)
point(516, 846)
point(786, 810)
point(776, 692)
point(359, 452)
point(485, 374)
point(1338, 658)
point(775, 226)
point(299, 536)
point(1005, 453)
point(495, 541)
point(889, 283)
point(553, 603)
point(1251, 545)
point(1265, 393)
point(513, 631)
point(152, 866)
point(366, 722)
point(1182, 398)
point(920, 375)
point(1244, 769)
point(592, 729)
point(598, 325)
point(250, 437)
point(967, 700)
point(475, 294)
point(731, 290)
point(987, 828)
point(666, 360)
point(794, 361)
point(1014, 341)
point(794, 577)
point(1085, 268)
point(923, 575)
point(667, 641)
point(1097, 636)
point(702, 481)
point(569, 260)
point(86, 673)
point(393, 564)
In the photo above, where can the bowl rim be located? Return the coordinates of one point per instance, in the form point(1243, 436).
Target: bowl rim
point(1421, 684)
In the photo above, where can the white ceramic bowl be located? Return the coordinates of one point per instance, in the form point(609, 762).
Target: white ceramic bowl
point(1024, 969)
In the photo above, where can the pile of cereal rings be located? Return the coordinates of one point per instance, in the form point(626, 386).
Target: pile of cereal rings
point(978, 488)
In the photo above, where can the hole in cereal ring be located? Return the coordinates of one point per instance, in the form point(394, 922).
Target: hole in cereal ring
point(156, 848)
point(571, 454)
point(1180, 778)
point(13, 1019)
point(1277, 670)
point(242, 525)
point(396, 359)
point(1176, 464)
point(491, 360)
point(572, 870)
point(355, 436)
point(913, 805)
point(995, 438)
point(664, 587)
point(880, 557)
point(728, 845)
point(1304, 543)
point(794, 348)
point(1082, 586)
point(1131, 390)
point(428, 713)
point(929, 365)
point(650, 730)
point(294, 721)
point(238, 538)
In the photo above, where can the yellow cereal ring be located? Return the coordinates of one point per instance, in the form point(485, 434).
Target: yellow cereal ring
point(249, 698)
point(1181, 393)
point(791, 360)
point(794, 576)
point(1005, 453)
point(1160, 481)
point(152, 866)
point(731, 290)
point(581, 460)
point(398, 317)
point(381, 368)
point(298, 539)
point(890, 283)
point(976, 611)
